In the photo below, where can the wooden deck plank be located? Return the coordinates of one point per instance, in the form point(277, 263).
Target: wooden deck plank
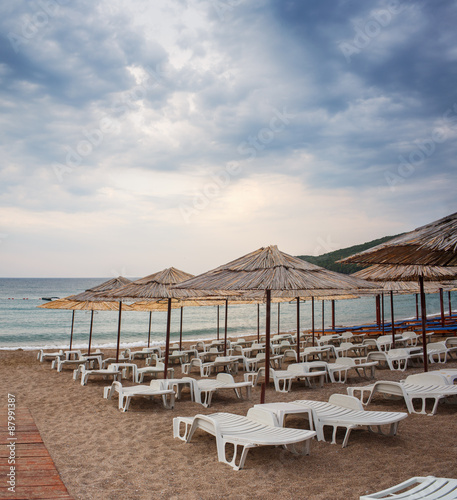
point(35, 472)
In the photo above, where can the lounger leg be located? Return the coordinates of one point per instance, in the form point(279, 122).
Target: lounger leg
point(121, 402)
point(299, 448)
point(177, 421)
point(346, 437)
point(171, 404)
point(232, 463)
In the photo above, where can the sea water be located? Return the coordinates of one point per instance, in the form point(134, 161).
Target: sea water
point(23, 325)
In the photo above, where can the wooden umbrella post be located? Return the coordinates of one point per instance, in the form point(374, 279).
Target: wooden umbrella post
point(312, 319)
point(298, 329)
point(378, 310)
point(442, 307)
point(119, 331)
point(279, 317)
point(449, 299)
point(423, 314)
point(392, 316)
point(217, 328)
point(267, 346)
point(225, 327)
point(72, 327)
point(149, 331)
point(180, 330)
point(167, 340)
point(258, 322)
point(333, 314)
point(417, 306)
point(90, 331)
point(323, 316)
point(382, 311)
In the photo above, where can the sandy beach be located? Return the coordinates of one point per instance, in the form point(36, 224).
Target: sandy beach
point(104, 454)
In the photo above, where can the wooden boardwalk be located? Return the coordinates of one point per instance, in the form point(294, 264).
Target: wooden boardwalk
point(35, 474)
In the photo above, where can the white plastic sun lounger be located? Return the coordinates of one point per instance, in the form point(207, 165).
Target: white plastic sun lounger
point(395, 359)
point(85, 374)
point(205, 388)
point(49, 356)
point(346, 411)
point(430, 488)
point(421, 386)
point(258, 428)
point(343, 365)
point(155, 388)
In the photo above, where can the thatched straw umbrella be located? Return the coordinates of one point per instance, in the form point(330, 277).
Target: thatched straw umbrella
point(276, 274)
point(397, 273)
point(434, 244)
point(153, 288)
point(88, 301)
point(402, 279)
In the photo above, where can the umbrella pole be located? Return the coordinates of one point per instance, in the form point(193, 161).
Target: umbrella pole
point(225, 327)
point(442, 307)
point(279, 317)
point(424, 319)
point(267, 347)
point(392, 316)
point(417, 306)
point(333, 314)
point(378, 310)
point(450, 308)
point(382, 311)
point(149, 331)
point(312, 318)
point(72, 326)
point(323, 316)
point(298, 329)
point(180, 330)
point(167, 340)
point(258, 322)
point(217, 329)
point(119, 332)
point(90, 331)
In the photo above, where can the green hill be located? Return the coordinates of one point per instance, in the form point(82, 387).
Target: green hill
point(328, 260)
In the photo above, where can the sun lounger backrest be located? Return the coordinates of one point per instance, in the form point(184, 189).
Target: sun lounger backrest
point(263, 417)
point(397, 352)
point(156, 384)
point(346, 361)
point(225, 378)
point(346, 401)
point(425, 379)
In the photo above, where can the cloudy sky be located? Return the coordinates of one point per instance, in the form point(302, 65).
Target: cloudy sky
point(141, 135)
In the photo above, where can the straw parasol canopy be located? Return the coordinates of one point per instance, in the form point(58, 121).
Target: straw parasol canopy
point(91, 293)
point(416, 253)
point(270, 269)
point(82, 305)
point(434, 244)
point(273, 273)
point(378, 272)
point(151, 291)
point(88, 301)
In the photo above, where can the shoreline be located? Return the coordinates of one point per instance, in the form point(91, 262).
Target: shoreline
point(140, 344)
